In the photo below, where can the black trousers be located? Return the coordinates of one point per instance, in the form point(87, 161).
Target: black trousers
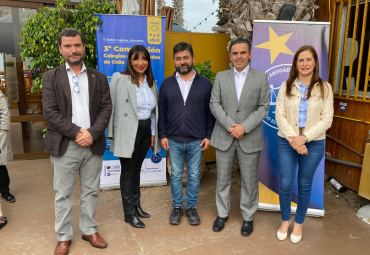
point(4, 179)
point(131, 167)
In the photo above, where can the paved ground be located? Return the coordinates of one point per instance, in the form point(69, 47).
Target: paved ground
point(31, 223)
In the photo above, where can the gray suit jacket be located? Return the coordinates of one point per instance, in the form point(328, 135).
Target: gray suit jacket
point(124, 121)
point(57, 105)
point(249, 111)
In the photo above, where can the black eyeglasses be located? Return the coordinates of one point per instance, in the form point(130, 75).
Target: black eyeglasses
point(76, 88)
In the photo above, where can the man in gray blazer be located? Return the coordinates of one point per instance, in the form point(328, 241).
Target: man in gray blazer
point(239, 102)
point(77, 106)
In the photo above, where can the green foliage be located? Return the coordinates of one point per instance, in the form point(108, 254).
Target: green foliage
point(40, 33)
point(205, 70)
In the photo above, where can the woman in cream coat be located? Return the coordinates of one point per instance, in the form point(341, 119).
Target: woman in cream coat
point(133, 127)
point(6, 155)
point(304, 111)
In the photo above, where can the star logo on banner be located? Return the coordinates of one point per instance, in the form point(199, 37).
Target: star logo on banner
point(276, 44)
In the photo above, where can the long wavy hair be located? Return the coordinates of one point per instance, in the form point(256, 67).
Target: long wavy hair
point(136, 51)
point(293, 75)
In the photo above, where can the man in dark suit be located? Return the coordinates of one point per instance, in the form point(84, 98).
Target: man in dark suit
point(77, 106)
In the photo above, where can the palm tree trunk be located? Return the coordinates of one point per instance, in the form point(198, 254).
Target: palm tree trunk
point(243, 12)
point(160, 4)
point(178, 16)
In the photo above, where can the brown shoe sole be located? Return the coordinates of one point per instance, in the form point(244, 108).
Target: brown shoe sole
point(100, 247)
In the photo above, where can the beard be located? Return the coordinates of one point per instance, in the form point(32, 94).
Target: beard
point(183, 70)
point(74, 62)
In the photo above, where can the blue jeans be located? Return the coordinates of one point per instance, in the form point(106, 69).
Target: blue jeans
point(288, 161)
point(193, 154)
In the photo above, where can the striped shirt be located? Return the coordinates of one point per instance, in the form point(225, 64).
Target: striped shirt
point(145, 103)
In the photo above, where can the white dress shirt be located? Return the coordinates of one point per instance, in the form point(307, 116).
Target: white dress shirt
point(145, 103)
point(184, 85)
point(79, 85)
point(240, 80)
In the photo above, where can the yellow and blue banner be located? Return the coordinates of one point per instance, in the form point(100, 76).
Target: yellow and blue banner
point(273, 48)
point(118, 33)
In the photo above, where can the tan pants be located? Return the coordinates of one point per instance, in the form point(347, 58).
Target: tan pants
point(76, 159)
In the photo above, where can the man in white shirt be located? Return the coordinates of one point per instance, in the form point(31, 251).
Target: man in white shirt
point(77, 106)
point(240, 101)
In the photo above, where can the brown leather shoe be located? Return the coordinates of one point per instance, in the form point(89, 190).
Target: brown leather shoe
point(95, 240)
point(62, 248)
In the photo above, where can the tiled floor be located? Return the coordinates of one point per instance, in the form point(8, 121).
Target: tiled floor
point(31, 223)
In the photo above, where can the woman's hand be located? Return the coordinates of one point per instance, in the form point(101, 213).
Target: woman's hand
point(297, 141)
point(302, 150)
point(153, 139)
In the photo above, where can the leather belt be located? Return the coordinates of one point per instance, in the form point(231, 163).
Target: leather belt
point(301, 130)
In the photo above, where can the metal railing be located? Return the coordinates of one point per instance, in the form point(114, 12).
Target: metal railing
point(336, 27)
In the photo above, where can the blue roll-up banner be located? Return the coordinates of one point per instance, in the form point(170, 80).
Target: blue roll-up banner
point(118, 33)
point(273, 48)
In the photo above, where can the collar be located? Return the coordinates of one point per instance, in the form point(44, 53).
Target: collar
point(82, 69)
point(143, 84)
point(243, 71)
point(301, 85)
point(178, 75)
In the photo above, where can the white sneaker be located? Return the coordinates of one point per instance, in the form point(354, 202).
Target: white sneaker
point(281, 236)
point(295, 239)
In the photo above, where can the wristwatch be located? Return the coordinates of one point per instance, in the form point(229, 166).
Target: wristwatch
point(305, 138)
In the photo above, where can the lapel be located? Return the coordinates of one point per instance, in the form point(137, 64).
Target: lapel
point(247, 85)
point(64, 82)
point(91, 77)
point(131, 88)
point(231, 81)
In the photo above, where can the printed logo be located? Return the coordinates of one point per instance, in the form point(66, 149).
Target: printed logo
point(104, 39)
point(154, 30)
point(275, 75)
point(156, 158)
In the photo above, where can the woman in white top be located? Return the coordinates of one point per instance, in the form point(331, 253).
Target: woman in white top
point(133, 127)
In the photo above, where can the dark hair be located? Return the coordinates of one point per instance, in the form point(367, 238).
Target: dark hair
point(181, 47)
point(240, 40)
point(69, 32)
point(293, 75)
point(136, 51)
